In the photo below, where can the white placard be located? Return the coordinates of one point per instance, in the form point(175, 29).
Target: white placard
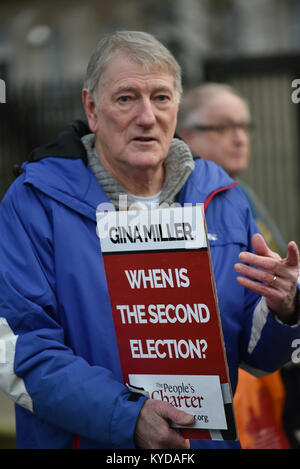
point(147, 230)
point(200, 396)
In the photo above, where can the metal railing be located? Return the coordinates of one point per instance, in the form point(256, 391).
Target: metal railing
point(32, 116)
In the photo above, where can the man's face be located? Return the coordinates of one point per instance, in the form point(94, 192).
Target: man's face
point(229, 148)
point(136, 116)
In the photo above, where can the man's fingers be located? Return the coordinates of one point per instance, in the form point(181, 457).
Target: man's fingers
point(177, 416)
point(268, 275)
point(261, 248)
point(153, 426)
point(261, 275)
point(292, 258)
point(259, 245)
point(274, 263)
point(258, 261)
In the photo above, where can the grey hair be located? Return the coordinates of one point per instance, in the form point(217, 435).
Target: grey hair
point(193, 101)
point(141, 47)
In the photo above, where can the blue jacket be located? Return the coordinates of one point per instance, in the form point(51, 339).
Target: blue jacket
point(61, 362)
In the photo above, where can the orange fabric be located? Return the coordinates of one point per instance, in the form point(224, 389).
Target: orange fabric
point(258, 404)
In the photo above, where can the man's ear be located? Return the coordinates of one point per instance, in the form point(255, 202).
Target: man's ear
point(90, 109)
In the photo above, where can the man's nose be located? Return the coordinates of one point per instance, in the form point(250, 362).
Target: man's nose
point(145, 114)
point(240, 135)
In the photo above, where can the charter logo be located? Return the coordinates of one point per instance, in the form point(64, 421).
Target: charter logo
point(200, 396)
point(2, 91)
point(179, 395)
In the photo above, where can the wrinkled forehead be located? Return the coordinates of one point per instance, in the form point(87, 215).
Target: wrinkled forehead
point(122, 67)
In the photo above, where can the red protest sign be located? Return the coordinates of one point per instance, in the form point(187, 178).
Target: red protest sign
point(166, 315)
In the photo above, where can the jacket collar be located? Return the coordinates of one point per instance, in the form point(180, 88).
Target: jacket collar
point(67, 145)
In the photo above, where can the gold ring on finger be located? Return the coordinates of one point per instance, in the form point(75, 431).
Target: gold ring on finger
point(272, 283)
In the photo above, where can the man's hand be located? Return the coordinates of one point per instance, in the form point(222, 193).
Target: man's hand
point(279, 276)
point(153, 430)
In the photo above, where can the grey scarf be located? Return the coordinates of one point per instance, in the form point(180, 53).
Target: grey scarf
point(178, 165)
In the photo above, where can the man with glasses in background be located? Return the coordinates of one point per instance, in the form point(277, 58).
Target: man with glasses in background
point(216, 123)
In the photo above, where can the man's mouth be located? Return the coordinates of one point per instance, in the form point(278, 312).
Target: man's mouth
point(144, 139)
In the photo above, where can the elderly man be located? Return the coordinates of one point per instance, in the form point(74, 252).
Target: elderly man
point(62, 363)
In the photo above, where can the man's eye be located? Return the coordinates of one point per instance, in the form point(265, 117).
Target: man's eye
point(162, 97)
point(124, 99)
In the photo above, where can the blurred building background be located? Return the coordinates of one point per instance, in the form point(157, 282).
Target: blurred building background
point(45, 46)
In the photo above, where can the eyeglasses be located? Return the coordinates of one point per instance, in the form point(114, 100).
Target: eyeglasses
point(225, 128)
